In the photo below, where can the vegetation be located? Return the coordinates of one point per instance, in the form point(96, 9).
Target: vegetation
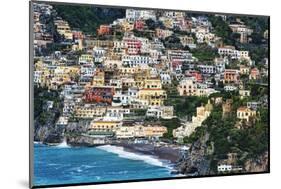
point(152, 25)
point(172, 42)
point(184, 106)
point(259, 24)
point(171, 125)
point(41, 96)
point(204, 52)
point(227, 138)
point(146, 33)
point(88, 18)
point(222, 29)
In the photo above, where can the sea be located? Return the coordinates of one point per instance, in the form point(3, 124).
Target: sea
point(63, 164)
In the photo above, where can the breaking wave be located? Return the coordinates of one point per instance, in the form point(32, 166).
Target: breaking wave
point(133, 156)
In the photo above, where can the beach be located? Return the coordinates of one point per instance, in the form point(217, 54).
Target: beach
point(164, 152)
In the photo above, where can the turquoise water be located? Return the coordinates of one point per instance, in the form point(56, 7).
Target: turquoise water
point(67, 165)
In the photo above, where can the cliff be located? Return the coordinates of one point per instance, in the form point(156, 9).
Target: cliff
point(195, 162)
point(48, 132)
point(259, 164)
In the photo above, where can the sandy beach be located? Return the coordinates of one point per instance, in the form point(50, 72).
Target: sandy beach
point(164, 152)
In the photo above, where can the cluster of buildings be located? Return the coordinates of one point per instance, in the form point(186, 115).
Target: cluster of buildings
point(118, 82)
point(202, 113)
point(42, 36)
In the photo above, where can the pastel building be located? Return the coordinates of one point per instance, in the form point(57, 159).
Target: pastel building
point(254, 74)
point(202, 113)
point(140, 131)
point(231, 76)
point(244, 113)
point(165, 112)
point(63, 29)
point(104, 30)
point(187, 87)
point(99, 94)
point(152, 96)
point(86, 59)
point(104, 125)
point(89, 111)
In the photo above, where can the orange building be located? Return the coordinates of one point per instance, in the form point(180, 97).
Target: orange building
point(231, 76)
point(254, 74)
point(104, 30)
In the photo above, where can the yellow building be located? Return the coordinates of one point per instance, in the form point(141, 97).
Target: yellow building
point(86, 112)
point(63, 74)
point(244, 70)
point(128, 82)
point(140, 131)
point(127, 71)
point(154, 131)
point(86, 58)
point(41, 74)
point(104, 125)
point(141, 77)
point(153, 83)
point(153, 96)
point(126, 26)
point(98, 79)
point(63, 29)
point(244, 113)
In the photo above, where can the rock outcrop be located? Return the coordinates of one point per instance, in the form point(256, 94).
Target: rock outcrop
point(259, 164)
point(48, 132)
point(195, 162)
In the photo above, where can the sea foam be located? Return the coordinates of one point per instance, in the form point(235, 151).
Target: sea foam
point(63, 144)
point(130, 155)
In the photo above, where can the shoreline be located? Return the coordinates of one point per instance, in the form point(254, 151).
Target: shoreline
point(163, 152)
point(168, 153)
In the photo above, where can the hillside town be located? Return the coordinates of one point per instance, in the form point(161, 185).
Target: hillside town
point(160, 77)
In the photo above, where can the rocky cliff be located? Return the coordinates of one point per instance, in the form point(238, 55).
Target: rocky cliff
point(47, 132)
point(195, 161)
point(259, 164)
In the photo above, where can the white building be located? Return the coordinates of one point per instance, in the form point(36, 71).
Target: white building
point(229, 88)
point(87, 70)
point(165, 112)
point(224, 168)
point(99, 54)
point(135, 60)
point(37, 77)
point(228, 168)
point(220, 64)
point(165, 78)
point(62, 121)
point(116, 113)
point(133, 15)
point(233, 53)
point(207, 69)
point(122, 99)
point(174, 14)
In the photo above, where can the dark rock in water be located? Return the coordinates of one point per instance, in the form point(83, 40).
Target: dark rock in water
point(195, 161)
point(45, 117)
point(175, 172)
point(48, 132)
